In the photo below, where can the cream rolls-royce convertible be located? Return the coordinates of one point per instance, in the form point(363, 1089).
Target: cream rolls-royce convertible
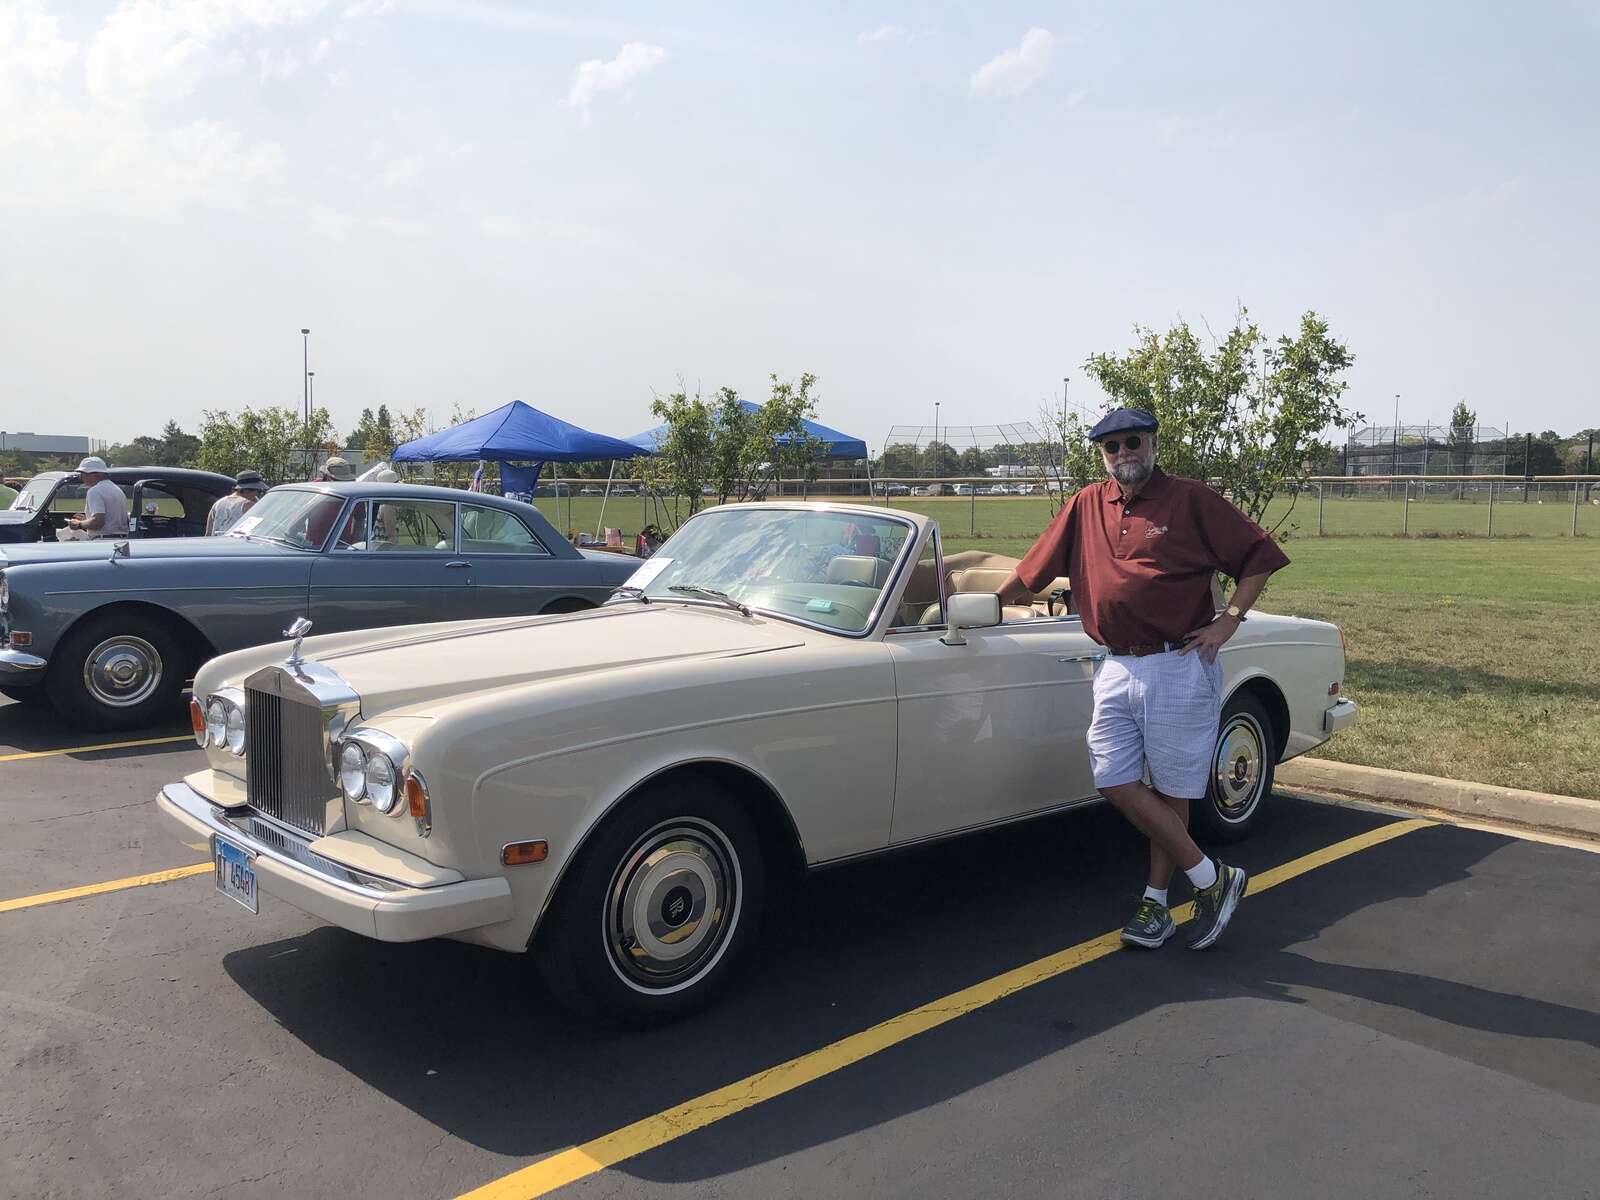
point(616, 791)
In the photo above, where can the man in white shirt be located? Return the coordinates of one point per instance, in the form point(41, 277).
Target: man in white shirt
point(248, 487)
point(105, 508)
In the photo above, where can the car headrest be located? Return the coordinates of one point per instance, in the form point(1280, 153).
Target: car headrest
point(852, 568)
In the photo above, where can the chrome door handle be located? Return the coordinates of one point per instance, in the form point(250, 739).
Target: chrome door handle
point(460, 562)
point(1081, 657)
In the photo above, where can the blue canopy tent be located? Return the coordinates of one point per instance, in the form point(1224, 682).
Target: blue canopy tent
point(518, 432)
point(839, 445)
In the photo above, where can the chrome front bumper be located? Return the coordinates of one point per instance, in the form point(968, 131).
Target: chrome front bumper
point(1341, 716)
point(17, 667)
point(359, 901)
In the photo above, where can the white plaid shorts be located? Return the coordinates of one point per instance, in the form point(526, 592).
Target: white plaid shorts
point(1158, 711)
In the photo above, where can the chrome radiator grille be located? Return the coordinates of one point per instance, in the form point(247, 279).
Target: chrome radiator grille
point(285, 775)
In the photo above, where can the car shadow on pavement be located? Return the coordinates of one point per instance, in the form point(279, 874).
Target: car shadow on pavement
point(34, 726)
point(468, 1041)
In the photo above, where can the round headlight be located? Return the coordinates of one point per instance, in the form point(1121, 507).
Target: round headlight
point(235, 729)
point(380, 782)
point(353, 770)
point(216, 722)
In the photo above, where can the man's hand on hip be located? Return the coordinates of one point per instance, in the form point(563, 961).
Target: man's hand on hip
point(1208, 639)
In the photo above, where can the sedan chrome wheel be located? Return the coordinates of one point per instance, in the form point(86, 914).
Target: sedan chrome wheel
point(122, 671)
point(1239, 770)
point(672, 906)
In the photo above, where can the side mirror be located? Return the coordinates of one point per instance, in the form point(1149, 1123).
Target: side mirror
point(970, 610)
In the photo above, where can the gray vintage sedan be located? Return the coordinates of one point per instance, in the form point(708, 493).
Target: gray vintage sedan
point(110, 631)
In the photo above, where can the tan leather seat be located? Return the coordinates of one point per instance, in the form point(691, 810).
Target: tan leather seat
point(981, 571)
point(853, 568)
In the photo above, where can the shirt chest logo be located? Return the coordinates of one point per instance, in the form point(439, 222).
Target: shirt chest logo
point(1155, 531)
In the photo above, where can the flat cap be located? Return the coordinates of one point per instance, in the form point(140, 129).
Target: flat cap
point(1123, 420)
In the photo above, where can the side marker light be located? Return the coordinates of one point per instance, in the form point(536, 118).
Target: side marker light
point(520, 853)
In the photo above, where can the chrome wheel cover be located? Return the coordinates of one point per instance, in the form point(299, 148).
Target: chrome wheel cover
point(1238, 772)
point(672, 906)
point(122, 671)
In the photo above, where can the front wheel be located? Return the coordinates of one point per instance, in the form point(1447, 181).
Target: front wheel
point(656, 911)
point(118, 671)
point(1242, 766)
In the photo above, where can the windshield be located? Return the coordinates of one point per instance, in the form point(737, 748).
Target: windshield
point(290, 517)
point(35, 493)
point(826, 568)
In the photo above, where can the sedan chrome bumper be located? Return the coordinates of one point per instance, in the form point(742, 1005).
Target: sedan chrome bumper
point(17, 667)
point(1341, 716)
point(359, 901)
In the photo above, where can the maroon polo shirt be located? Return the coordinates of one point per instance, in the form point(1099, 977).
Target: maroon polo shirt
point(1141, 570)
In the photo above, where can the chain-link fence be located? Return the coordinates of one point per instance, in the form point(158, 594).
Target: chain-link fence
point(1447, 506)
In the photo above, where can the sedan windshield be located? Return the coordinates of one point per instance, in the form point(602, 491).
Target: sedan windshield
point(35, 493)
point(301, 519)
point(825, 568)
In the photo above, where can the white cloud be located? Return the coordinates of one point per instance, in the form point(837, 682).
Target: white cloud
point(150, 43)
point(32, 50)
point(1171, 128)
point(1012, 72)
point(402, 171)
point(884, 33)
point(596, 76)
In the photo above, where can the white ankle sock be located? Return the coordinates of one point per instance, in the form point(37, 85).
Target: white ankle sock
point(1159, 895)
point(1203, 874)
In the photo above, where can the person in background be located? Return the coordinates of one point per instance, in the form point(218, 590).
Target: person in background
point(248, 487)
point(335, 470)
point(7, 495)
point(105, 508)
point(647, 541)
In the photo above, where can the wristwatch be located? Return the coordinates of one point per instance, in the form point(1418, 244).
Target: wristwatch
point(1234, 611)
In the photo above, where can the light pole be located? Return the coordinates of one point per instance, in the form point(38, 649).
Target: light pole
point(311, 396)
point(305, 372)
point(935, 441)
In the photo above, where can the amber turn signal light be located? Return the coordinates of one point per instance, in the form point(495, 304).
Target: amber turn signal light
point(518, 853)
point(417, 803)
point(197, 721)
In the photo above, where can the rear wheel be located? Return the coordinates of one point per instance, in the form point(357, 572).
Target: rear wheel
point(1242, 766)
point(653, 916)
point(117, 671)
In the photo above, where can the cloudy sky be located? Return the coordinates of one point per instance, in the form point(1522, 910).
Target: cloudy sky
point(477, 201)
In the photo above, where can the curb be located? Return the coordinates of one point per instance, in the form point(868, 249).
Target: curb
point(1569, 815)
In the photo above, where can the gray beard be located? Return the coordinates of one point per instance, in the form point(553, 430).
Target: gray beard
point(1132, 474)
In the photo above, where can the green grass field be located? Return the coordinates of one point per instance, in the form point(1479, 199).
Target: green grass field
point(1471, 658)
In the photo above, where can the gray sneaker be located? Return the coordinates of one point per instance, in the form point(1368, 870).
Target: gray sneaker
point(1151, 925)
point(1213, 907)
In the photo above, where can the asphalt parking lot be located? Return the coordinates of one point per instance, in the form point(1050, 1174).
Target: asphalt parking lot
point(1404, 1010)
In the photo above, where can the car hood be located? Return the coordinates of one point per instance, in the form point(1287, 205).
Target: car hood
point(189, 548)
point(404, 672)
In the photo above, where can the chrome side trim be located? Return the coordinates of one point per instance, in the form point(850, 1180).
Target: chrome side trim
point(275, 842)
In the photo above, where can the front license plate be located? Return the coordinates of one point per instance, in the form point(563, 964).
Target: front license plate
point(236, 872)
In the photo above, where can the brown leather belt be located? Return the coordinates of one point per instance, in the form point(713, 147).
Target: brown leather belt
point(1144, 648)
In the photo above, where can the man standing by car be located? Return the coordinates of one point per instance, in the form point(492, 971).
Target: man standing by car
point(1141, 550)
point(248, 487)
point(105, 508)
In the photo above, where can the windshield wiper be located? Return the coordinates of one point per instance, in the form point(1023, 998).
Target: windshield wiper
point(690, 589)
point(633, 593)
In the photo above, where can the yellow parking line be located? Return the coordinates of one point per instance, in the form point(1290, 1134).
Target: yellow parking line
point(111, 885)
point(568, 1166)
point(160, 741)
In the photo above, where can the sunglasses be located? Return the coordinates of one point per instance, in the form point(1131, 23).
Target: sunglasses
point(1133, 441)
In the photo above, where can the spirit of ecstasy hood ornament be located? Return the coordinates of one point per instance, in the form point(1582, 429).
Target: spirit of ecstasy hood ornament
point(298, 632)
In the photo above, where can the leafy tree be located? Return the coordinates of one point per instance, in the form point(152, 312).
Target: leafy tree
point(174, 448)
point(1541, 457)
point(898, 461)
point(940, 459)
point(1245, 415)
point(737, 452)
point(271, 440)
